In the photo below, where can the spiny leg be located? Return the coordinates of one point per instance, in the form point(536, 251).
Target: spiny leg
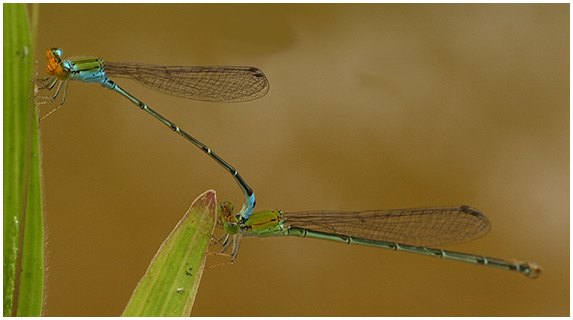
point(63, 84)
point(235, 243)
point(46, 83)
point(47, 86)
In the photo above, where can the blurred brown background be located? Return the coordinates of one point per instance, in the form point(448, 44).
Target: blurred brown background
point(370, 107)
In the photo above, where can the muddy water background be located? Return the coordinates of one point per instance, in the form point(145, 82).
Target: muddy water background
point(371, 106)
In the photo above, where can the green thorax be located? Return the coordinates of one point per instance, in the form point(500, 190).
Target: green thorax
point(265, 223)
point(86, 69)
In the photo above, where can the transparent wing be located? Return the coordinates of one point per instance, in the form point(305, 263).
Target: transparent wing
point(415, 226)
point(214, 84)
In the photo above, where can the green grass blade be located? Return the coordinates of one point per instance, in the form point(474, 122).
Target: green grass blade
point(23, 221)
point(170, 283)
point(30, 298)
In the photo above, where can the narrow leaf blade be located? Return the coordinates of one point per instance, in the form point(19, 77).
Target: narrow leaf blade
point(170, 283)
point(23, 220)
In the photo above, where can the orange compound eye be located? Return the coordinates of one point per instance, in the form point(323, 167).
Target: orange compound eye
point(54, 55)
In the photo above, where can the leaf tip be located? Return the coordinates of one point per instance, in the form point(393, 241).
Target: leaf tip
point(207, 199)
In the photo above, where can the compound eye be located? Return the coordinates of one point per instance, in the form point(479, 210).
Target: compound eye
point(54, 53)
point(227, 209)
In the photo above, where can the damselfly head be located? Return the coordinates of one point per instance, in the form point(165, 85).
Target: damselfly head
point(227, 219)
point(55, 66)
